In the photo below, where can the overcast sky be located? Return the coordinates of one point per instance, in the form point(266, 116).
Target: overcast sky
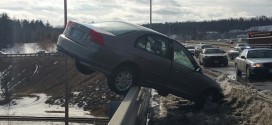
point(135, 11)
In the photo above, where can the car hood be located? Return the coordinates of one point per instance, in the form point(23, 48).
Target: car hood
point(260, 60)
point(218, 54)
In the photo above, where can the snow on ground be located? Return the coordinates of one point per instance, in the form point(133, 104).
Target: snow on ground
point(243, 105)
point(28, 48)
point(34, 105)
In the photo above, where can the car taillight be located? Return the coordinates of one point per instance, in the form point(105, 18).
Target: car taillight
point(96, 37)
point(69, 24)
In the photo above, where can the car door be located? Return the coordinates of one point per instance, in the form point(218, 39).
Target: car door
point(153, 57)
point(241, 62)
point(185, 78)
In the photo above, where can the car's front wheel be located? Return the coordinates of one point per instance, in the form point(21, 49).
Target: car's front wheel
point(208, 98)
point(83, 69)
point(121, 80)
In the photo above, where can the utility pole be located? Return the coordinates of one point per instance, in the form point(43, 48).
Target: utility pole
point(66, 73)
point(150, 14)
point(65, 13)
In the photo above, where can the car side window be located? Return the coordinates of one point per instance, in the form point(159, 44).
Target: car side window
point(154, 44)
point(180, 56)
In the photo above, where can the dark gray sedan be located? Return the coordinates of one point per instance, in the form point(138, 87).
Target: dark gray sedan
point(213, 56)
point(130, 55)
point(254, 61)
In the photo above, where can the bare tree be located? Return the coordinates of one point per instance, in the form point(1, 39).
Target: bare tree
point(4, 86)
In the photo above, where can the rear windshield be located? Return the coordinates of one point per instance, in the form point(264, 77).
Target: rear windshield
point(116, 28)
point(212, 51)
point(207, 46)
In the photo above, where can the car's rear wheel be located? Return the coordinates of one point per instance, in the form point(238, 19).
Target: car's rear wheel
point(121, 80)
point(238, 72)
point(83, 69)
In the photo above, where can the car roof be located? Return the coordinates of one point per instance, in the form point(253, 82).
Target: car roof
point(126, 27)
point(259, 49)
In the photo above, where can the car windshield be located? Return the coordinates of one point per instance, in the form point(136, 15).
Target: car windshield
point(212, 51)
point(259, 54)
point(116, 28)
point(207, 46)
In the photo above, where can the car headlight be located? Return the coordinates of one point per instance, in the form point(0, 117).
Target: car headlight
point(257, 65)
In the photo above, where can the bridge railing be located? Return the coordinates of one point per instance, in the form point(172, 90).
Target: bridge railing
point(28, 55)
point(133, 109)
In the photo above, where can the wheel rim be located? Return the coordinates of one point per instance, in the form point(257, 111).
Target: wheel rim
point(123, 80)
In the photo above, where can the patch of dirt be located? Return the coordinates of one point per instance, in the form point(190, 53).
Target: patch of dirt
point(47, 74)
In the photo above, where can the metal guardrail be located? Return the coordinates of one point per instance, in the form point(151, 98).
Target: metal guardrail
point(133, 109)
point(28, 55)
point(96, 120)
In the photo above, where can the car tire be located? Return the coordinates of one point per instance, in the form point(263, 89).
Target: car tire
point(121, 80)
point(207, 98)
point(238, 72)
point(83, 69)
point(226, 64)
point(248, 73)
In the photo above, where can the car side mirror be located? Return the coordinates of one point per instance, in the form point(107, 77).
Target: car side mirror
point(243, 57)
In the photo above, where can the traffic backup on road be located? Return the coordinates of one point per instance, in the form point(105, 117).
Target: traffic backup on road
point(131, 55)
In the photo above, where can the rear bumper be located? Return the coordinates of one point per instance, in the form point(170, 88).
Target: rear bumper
point(216, 61)
point(81, 53)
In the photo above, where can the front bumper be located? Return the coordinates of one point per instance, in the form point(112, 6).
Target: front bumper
point(260, 70)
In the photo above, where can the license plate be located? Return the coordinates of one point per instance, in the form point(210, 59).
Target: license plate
point(216, 61)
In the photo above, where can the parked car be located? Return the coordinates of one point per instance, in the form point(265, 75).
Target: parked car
point(254, 61)
point(131, 55)
point(233, 53)
point(212, 56)
point(241, 46)
point(191, 49)
point(200, 47)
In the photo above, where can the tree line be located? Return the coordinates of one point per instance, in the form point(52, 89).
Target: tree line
point(14, 31)
point(23, 31)
point(195, 29)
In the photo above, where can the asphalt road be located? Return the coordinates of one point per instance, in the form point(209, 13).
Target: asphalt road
point(259, 82)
